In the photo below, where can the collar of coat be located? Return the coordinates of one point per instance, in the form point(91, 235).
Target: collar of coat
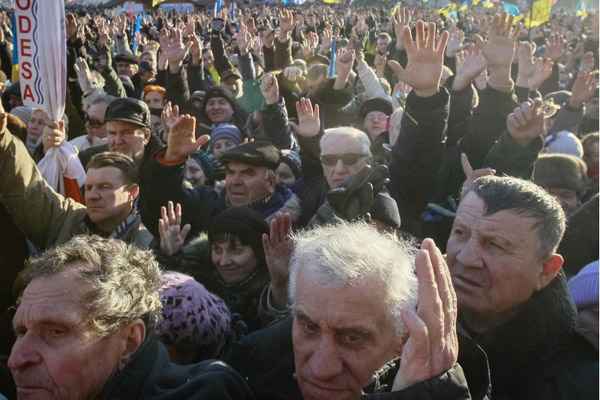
point(543, 327)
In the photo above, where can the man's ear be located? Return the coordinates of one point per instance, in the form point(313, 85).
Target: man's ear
point(133, 335)
point(147, 134)
point(134, 191)
point(550, 269)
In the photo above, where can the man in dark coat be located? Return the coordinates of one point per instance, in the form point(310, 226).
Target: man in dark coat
point(353, 322)
point(85, 329)
point(512, 294)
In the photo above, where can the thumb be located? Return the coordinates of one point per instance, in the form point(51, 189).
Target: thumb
point(184, 231)
point(466, 165)
point(203, 140)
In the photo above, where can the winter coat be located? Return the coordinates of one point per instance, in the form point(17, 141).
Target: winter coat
point(266, 360)
point(150, 375)
point(46, 217)
point(537, 354)
point(202, 203)
point(243, 298)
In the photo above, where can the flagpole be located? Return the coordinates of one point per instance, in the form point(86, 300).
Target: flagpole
point(530, 19)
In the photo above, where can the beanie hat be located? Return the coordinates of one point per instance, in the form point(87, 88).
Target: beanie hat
point(245, 224)
point(560, 171)
point(218, 92)
point(584, 286)
point(207, 162)
point(563, 142)
point(376, 104)
point(23, 112)
point(225, 131)
point(192, 316)
point(292, 160)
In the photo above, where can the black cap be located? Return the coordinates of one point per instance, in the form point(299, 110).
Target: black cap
point(129, 110)
point(376, 104)
point(126, 58)
point(261, 154)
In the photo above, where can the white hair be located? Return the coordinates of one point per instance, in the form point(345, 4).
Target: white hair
point(350, 132)
point(348, 253)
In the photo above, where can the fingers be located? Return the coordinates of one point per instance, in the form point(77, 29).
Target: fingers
point(418, 335)
point(466, 165)
point(430, 305)
point(171, 213)
point(445, 289)
point(178, 214)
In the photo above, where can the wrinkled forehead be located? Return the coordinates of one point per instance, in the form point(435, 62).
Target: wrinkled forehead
point(339, 143)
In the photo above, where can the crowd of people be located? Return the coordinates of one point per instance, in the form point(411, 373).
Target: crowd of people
point(307, 202)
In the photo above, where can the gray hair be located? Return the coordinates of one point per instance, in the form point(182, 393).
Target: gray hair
point(348, 253)
point(356, 134)
point(526, 199)
point(124, 280)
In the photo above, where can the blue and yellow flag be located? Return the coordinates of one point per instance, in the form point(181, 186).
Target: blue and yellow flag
point(14, 72)
point(581, 9)
point(539, 14)
point(511, 9)
point(449, 10)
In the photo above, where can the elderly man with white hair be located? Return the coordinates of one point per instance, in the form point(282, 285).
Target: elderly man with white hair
point(355, 326)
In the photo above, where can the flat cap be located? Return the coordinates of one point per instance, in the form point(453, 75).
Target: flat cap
point(260, 153)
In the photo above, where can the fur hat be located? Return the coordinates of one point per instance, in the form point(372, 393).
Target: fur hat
point(563, 142)
point(560, 171)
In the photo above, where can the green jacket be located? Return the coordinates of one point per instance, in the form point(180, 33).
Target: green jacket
point(46, 217)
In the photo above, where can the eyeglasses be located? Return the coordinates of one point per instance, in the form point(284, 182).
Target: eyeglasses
point(347, 159)
point(94, 123)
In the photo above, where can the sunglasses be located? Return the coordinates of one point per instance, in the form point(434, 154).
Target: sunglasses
point(94, 123)
point(348, 159)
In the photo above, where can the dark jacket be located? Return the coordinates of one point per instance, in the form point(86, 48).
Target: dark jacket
point(243, 298)
point(266, 360)
point(538, 354)
point(200, 204)
point(150, 375)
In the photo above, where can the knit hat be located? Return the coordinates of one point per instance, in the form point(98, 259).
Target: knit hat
point(23, 112)
point(292, 160)
point(560, 171)
point(219, 92)
point(563, 142)
point(584, 286)
point(192, 316)
point(245, 224)
point(376, 104)
point(225, 131)
point(207, 162)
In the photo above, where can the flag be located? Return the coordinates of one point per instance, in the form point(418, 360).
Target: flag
point(539, 13)
point(332, 1)
point(156, 2)
point(136, 29)
point(331, 71)
point(487, 4)
point(218, 8)
point(581, 9)
point(511, 9)
point(448, 10)
point(14, 76)
point(232, 11)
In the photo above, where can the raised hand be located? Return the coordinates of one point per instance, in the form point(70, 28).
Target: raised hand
point(309, 122)
point(584, 87)
point(587, 62)
point(526, 122)
point(541, 71)
point(432, 345)
point(499, 50)
point(469, 64)
point(343, 65)
point(401, 20)
point(172, 235)
point(425, 59)
point(326, 39)
point(84, 75)
point(196, 49)
point(176, 50)
point(555, 46)
point(526, 63)
point(278, 248)
point(286, 21)
point(269, 88)
point(244, 39)
point(182, 141)
point(455, 41)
